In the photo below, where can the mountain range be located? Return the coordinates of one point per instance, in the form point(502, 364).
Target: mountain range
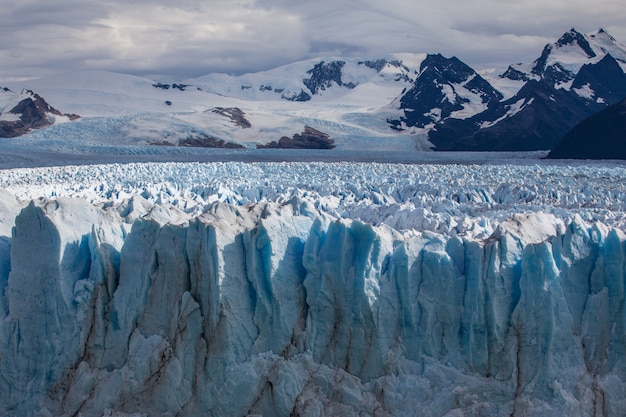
point(401, 101)
point(573, 78)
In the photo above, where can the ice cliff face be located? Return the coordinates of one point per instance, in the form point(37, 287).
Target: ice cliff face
point(282, 308)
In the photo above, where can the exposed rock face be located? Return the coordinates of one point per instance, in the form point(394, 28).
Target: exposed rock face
point(309, 139)
point(601, 136)
point(236, 115)
point(539, 115)
point(323, 75)
point(208, 142)
point(180, 87)
point(514, 74)
point(601, 84)
point(575, 77)
point(444, 86)
point(380, 64)
point(301, 96)
point(536, 118)
point(34, 113)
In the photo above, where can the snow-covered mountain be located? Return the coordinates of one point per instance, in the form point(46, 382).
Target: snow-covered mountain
point(22, 112)
point(340, 98)
point(401, 102)
point(573, 78)
point(444, 88)
point(317, 79)
point(313, 290)
point(561, 61)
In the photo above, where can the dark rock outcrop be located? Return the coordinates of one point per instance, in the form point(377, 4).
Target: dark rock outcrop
point(235, 114)
point(376, 65)
point(543, 115)
point(605, 79)
point(309, 139)
point(204, 141)
point(33, 113)
point(162, 86)
point(514, 74)
point(601, 136)
point(323, 75)
point(301, 96)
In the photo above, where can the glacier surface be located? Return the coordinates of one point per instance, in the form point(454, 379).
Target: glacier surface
point(233, 289)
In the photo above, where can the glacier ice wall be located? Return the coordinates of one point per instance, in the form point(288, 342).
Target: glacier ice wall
point(277, 308)
point(313, 289)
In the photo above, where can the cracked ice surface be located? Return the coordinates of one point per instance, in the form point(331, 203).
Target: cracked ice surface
point(464, 200)
point(313, 289)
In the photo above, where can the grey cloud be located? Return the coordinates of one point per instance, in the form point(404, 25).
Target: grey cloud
point(335, 48)
point(29, 15)
point(194, 37)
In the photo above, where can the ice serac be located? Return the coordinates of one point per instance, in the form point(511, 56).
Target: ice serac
point(49, 295)
point(276, 308)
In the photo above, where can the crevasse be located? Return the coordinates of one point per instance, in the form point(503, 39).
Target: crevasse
point(279, 309)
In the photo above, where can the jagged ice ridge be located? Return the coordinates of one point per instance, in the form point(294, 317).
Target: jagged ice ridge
point(313, 289)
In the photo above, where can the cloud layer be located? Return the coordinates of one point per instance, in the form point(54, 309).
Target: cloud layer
point(193, 37)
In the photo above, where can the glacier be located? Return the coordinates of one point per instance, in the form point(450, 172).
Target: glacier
point(313, 289)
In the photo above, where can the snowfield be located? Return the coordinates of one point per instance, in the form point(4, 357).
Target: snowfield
point(314, 289)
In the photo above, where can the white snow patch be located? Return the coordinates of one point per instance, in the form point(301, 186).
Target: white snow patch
point(56, 118)
point(434, 114)
point(585, 91)
point(507, 87)
point(449, 93)
point(475, 104)
point(513, 109)
point(531, 228)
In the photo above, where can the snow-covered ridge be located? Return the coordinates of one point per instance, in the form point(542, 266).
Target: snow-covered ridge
point(124, 110)
point(568, 55)
point(287, 289)
point(401, 102)
point(323, 78)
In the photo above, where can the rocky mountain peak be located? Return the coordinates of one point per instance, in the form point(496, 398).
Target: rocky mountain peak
point(573, 37)
point(451, 69)
point(603, 33)
point(560, 61)
point(34, 113)
point(324, 74)
point(445, 87)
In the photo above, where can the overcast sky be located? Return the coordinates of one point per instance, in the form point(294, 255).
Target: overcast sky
point(187, 38)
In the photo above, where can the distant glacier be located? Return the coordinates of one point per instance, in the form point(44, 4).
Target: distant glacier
point(313, 289)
